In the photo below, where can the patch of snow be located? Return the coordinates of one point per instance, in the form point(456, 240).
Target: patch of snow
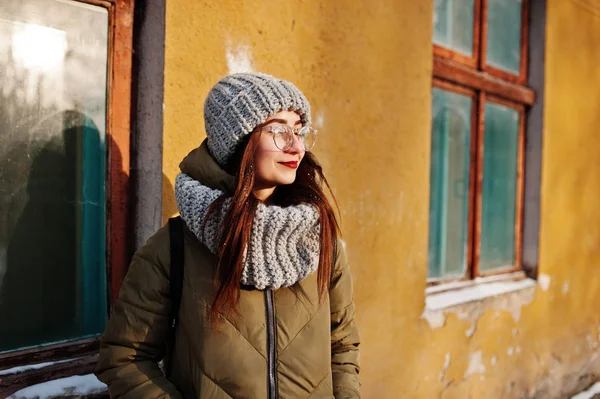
point(475, 364)
point(544, 281)
point(565, 288)
point(475, 293)
point(239, 59)
point(75, 385)
point(20, 369)
point(510, 351)
point(589, 394)
point(478, 280)
point(494, 360)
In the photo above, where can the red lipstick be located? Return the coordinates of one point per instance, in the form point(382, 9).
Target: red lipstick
point(291, 164)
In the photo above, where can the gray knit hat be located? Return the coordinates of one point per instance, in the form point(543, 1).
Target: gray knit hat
point(240, 102)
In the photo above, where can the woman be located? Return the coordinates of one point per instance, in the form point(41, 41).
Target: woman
point(266, 309)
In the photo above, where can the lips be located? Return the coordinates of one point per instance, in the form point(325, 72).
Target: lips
point(291, 164)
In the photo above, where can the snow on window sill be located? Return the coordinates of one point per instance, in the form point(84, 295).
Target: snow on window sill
point(74, 386)
point(470, 299)
point(36, 366)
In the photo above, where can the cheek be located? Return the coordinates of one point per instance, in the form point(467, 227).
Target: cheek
point(263, 165)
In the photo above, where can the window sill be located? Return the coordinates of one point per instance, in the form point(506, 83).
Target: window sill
point(470, 299)
point(37, 365)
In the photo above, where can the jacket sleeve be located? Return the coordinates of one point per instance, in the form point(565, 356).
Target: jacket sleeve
point(344, 334)
point(134, 340)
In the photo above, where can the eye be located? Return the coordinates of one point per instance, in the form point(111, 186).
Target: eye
point(278, 129)
point(305, 131)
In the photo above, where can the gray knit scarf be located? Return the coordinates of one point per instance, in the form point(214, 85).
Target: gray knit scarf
point(284, 242)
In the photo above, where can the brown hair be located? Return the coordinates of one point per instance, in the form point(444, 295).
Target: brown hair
point(237, 225)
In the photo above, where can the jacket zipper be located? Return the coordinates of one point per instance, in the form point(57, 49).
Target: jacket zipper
point(271, 346)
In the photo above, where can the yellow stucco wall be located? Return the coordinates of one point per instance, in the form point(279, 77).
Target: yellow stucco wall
point(366, 68)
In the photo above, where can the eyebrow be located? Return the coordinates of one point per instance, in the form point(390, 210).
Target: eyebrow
point(283, 121)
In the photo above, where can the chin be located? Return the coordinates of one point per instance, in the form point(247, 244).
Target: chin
point(286, 180)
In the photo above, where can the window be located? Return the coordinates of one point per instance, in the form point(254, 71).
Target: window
point(62, 178)
point(479, 103)
point(53, 199)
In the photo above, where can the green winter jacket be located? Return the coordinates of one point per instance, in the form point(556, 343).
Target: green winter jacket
point(315, 344)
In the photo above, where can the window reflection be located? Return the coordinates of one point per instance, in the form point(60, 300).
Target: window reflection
point(38, 47)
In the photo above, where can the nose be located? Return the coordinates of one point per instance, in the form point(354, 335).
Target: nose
point(297, 147)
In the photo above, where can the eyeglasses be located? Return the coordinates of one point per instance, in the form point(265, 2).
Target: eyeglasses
point(283, 136)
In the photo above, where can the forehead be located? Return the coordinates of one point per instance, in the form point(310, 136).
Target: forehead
point(290, 117)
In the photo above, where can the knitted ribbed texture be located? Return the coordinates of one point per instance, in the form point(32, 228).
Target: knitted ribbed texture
point(284, 243)
point(238, 103)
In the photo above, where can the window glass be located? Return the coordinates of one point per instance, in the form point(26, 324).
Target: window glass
point(53, 58)
point(453, 25)
point(504, 35)
point(449, 182)
point(499, 189)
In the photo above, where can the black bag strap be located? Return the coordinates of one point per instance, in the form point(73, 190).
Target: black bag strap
point(176, 283)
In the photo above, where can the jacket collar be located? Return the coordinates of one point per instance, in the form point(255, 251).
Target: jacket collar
point(201, 166)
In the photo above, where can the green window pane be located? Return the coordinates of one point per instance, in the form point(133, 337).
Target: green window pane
point(504, 35)
point(449, 184)
point(453, 25)
point(499, 195)
point(52, 172)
